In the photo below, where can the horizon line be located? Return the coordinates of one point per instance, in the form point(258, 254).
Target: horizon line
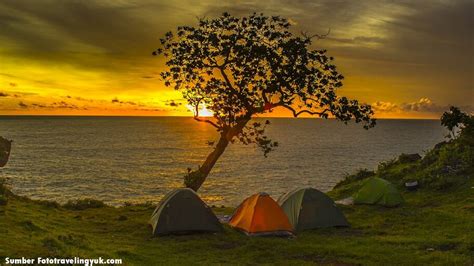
point(184, 116)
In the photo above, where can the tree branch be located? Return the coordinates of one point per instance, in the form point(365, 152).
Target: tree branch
point(207, 121)
point(297, 113)
point(235, 92)
point(319, 36)
point(210, 66)
point(197, 118)
point(227, 80)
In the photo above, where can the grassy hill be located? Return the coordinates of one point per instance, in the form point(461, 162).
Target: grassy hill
point(435, 226)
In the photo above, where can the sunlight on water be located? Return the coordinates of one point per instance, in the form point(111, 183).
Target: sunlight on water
point(140, 159)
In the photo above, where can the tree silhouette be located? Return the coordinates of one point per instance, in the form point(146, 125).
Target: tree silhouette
point(241, 67)
point(453, 119)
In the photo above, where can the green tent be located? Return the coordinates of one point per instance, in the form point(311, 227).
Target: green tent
point(378, 191)
point(182, 211)
point(309, 208)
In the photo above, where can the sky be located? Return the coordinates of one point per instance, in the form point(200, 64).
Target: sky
point(408, 59)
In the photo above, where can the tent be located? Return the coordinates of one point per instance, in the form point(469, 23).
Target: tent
point(309, 208)
point(378, 191)
point(182, 211)
point(261, 215)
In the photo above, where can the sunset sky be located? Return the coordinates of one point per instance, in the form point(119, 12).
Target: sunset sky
point(409, 59)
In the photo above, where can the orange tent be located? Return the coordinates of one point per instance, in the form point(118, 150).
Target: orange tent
point(261, 215)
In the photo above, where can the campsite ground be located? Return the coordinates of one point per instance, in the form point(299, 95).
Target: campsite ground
point(431, 228)
point(435, 225)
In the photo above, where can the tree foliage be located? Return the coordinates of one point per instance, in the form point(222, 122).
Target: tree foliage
point(454, 118)
point(240, 68)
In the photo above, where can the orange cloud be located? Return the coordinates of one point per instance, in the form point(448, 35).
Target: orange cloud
point(424, 107)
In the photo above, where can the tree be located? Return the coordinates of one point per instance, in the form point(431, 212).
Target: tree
point(242, 67)
point(454, 118)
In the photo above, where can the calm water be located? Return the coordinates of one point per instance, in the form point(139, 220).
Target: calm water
point(139, 159)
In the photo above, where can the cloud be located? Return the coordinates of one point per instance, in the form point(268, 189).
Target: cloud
point(149, 109)
point(173, 103)
point(39, 105)
point(63, 104)
point(85, 34)
point(364, 41)
point(22, 105)
point(3, 94)
point(423, 105)
point(54, 105)
point(83, 99)
point(427, 45)
point(116, 100)
point(385, 106)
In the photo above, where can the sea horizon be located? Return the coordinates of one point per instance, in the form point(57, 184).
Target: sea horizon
point(185, 116)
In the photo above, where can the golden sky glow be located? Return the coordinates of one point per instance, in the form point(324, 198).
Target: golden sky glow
point(409, 60)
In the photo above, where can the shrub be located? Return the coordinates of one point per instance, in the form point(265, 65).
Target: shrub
point(361, 174)
point(3, 200)
point(409, 158)
point(48, 203)
point(450, 163)
point(3, 192)
point(383, 166)
point(453, 165)
point(83, 204)
point(3, 188)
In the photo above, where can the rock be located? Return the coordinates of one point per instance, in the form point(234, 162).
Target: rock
point(5, 148)
point(439, 145)
point(411, 186)
point(346, 201)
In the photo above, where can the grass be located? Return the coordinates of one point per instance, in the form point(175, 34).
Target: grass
point(435, 226)
point(431, 228)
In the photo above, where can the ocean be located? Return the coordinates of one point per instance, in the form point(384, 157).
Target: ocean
point(139, 159)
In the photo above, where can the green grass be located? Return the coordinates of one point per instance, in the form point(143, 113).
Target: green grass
point(431, 228)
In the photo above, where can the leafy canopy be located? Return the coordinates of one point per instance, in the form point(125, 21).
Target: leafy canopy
point(455, 118)
point(242, 67)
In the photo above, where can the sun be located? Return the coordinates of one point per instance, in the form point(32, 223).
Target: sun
point(203, 111)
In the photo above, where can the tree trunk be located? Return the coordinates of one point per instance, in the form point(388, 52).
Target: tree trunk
point(195, 179)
